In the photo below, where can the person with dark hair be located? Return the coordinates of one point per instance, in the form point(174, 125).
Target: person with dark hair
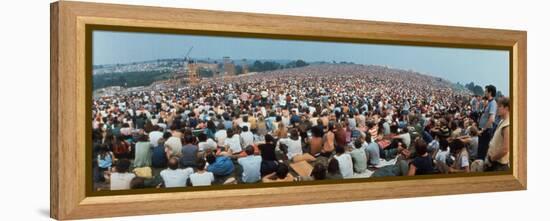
point(174, 176)
point(206, 144)
point(140, 121)
point(344, 161)
point(443, 153)
point(202, 177)
point(121, 178)
point(126, 129)
point(499, 147)
point(372, 128)
point(210, 129)
point(462, 159)
point(137, 183)
point(490, 91)
point(441, 129)
point(328, 141)
point(105, 160)
point(486, 122)
point(220, 166)
point(155, 135)
point(316, 141)
point(373, 150)
point(359, 156)
point(233, 142)
point(247, 138)
point(245, 123)
point(472, 141)
point(394, 130)
point(280, 175)
point(456, 129)
point(227, 121)
point(293, 144)
point(319, 172)
point(422, 164)
point(267, 151)
point(120, 147)
point(333, 170)
point(340, 135)
point(405, 136)
point(251, 165)
point(158, 159)
point(192, 120)
point(143, 153)
point(189, 152)
point(294, 118)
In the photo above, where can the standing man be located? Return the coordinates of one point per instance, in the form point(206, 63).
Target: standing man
point(486, 121)
point(498, 155)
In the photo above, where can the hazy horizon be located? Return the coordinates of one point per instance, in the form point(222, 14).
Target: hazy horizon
point(481, 66)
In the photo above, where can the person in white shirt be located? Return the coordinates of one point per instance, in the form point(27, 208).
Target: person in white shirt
point(201, 177)
point(154, 120)
point(251, 165)
point(245, 122)
point(293, 144)
point(174, 177)
point(121, 178)
point(155, 135)
point(247, 137)
point(405, 136)
point(344, 161)
point(220, 134)
point(233, 142)
point(206, 144)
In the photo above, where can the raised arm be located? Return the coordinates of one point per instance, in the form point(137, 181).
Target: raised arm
point(412, 170)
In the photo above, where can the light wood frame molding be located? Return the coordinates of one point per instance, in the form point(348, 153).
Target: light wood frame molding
point(68, 113)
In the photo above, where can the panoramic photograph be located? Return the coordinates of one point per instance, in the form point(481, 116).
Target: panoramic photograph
point(181, 111)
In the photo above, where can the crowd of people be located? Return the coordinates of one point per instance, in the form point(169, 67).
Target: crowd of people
point(355, 121)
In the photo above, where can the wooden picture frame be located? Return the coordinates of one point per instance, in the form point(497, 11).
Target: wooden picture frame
point(69, 85)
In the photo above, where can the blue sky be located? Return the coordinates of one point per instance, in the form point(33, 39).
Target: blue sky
point(482, 66)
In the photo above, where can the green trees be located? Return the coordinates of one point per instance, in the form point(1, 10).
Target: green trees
point(259, 66)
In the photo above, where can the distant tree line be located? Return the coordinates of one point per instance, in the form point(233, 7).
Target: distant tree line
point(259, 66)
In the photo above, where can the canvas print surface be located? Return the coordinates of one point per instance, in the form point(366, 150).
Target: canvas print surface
point(182, 111)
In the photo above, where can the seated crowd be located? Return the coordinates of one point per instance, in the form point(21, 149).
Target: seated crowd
point(241, 133)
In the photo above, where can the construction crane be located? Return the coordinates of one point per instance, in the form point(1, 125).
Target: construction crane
point(191, 68)
point(187, 64)
point(186, 57)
